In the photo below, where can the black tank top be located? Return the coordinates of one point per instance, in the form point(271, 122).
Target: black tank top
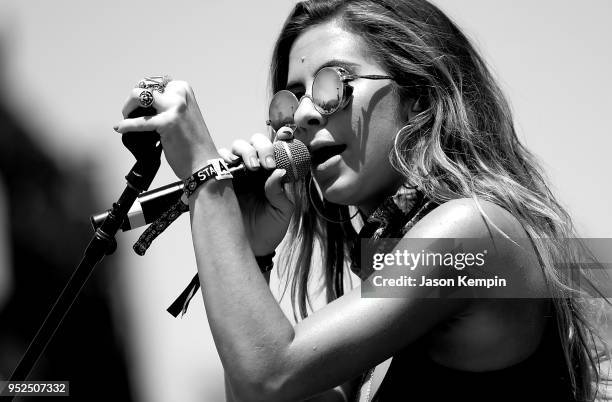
point(413, 376)
point(543, 376)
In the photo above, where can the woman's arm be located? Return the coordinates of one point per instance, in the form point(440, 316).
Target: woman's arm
point(229, 394)
point(265, 357)
point(248, 326)
point(342, 393)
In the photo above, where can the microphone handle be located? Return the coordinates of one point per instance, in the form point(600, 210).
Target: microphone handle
point(151, 204)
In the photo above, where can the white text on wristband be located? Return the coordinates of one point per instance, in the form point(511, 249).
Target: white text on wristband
point(216, 168)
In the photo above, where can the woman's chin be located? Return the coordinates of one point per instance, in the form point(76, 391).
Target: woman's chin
point(338, 192)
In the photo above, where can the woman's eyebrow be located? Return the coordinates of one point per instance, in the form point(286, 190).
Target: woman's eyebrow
point(339, 63)
point(348, 65)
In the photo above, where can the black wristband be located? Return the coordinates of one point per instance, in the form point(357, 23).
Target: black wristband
point(265, 262)
point(216, 168)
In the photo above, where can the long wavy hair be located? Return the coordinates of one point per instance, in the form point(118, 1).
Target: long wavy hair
point(462, 145)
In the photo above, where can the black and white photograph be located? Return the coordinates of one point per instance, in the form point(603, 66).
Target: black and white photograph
point(318, 200)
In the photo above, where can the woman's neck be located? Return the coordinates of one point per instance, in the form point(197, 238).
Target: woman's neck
point(367, 207)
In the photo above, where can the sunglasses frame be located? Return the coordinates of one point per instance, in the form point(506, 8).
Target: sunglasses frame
point(346, 90)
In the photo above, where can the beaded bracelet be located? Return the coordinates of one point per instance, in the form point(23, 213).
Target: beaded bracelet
point(179, 306)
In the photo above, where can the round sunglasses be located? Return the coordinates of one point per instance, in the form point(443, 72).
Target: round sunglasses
point(330, 93)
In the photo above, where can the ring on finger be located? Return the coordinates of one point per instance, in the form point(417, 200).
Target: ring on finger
point(145, 98)
point(156, 83)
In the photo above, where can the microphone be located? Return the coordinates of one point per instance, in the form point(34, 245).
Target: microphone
point(293, 156)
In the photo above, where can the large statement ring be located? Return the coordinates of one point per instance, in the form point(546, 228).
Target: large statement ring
point(156, 83)
point(146, 98)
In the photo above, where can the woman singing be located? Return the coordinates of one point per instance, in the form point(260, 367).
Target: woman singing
point(409, 135)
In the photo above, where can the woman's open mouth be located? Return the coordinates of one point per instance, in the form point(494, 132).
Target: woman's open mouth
point(322, 154)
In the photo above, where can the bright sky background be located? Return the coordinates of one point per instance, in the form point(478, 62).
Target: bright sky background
point(72, 63)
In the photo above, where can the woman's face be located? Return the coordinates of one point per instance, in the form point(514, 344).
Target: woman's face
point(351, 147)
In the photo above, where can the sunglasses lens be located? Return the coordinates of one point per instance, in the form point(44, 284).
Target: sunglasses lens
point(327, 90)
point(282, 107)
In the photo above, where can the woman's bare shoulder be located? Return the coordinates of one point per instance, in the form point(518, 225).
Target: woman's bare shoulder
point(483, 225)
point(470, 218)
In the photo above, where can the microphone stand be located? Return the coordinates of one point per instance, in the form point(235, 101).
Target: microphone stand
point(146, 148)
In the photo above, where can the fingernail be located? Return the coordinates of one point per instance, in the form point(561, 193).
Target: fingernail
point(283, 175)
point(116, 128)
point(270, 162)
point(233, 157)
point(253, 162)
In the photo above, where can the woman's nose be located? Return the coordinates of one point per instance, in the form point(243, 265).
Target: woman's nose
point(307, 118)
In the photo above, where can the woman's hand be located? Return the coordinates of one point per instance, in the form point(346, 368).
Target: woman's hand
point(185, 138)
point(266, 218)
point(187, 146)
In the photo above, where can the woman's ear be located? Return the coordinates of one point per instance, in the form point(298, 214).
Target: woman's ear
point(413, 107)
point(417, 105)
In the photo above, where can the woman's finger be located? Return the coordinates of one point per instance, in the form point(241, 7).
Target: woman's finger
point(275, 192)
point(284, 134)
point(265, 150)
point(144, 123)
point(227, 155)
point(247, 152)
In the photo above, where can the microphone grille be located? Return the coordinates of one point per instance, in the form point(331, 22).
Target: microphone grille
point(293, 156)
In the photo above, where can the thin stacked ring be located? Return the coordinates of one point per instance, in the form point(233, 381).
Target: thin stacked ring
point(153, 83)
point(156, 83)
